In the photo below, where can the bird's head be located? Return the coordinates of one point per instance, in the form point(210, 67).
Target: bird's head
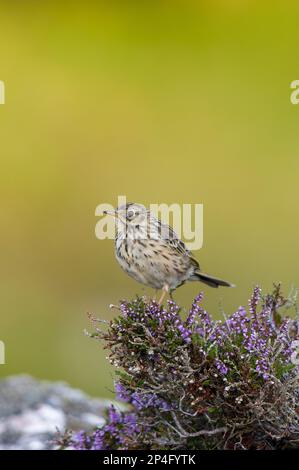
point(131, 214)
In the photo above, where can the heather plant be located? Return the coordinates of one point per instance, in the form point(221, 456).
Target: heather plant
point(191, 382)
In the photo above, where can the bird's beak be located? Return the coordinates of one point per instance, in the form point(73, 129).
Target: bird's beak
point(113, 213)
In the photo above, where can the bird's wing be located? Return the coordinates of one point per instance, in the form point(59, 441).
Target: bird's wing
point(175, 243)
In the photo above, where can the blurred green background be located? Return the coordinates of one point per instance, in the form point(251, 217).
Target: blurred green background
point(162, 101)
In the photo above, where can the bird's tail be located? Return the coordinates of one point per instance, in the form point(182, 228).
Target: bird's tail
point(210, 280)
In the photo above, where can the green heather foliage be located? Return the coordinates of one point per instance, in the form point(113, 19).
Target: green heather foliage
point(191, 382)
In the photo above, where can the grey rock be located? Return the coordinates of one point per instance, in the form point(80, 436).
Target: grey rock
point(31, 412)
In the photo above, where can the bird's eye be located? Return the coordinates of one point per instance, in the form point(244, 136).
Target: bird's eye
point(130, 214)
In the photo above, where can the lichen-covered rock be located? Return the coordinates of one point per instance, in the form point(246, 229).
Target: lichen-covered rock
point(31, 412)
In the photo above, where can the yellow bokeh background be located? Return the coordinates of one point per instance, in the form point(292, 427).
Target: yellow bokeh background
point(161, 101)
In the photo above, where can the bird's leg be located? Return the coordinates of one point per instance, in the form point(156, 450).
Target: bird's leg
point(165, 290)
point(162, 297)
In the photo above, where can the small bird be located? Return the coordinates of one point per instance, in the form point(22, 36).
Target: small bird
point(151, 252)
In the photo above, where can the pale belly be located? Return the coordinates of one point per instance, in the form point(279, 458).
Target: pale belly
point(153, 269)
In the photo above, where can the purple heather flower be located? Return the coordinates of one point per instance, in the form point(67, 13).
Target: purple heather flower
point(238, 322)
point(146, 400)
point(114, 416)
point(222, 368)
point(121, 392)
point(195, 310)
point(113, 435)
point(254, 300)
point(98, 440)
point(81, 441)
point(140, 400)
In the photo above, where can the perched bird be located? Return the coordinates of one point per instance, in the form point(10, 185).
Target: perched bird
point(151, 253)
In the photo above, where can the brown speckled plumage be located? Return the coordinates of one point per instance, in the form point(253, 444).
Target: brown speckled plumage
point(151, 253)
